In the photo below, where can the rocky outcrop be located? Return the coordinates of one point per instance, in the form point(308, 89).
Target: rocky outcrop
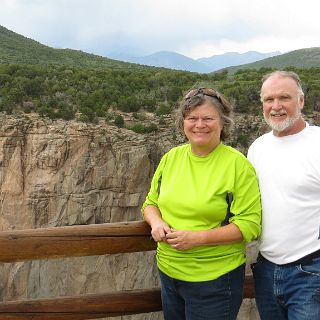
point(56, 173)
point(68, 173)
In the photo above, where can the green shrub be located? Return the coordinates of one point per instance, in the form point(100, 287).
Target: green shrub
point(141, 128)
point(119, 121)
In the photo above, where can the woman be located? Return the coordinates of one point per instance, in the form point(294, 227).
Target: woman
point(203, 206)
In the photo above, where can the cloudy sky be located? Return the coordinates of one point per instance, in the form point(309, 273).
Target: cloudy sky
point(195, 28)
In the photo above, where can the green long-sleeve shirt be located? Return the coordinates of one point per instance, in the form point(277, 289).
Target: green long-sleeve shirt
point(190, 192)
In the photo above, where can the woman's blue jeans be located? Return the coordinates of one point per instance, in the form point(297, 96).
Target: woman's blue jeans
point(287, 291)
point(218, 299)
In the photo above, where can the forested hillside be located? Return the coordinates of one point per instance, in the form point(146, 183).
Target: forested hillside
point(68, 83)
point(18, 49)
point(302, 59)
point(61, 92)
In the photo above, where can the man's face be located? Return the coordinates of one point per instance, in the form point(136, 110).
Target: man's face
point(282, 105)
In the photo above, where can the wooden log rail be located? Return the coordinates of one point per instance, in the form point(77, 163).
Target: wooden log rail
point(91, 306)
point(75, 241)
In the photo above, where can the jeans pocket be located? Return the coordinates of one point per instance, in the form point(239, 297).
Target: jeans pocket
point(312, 268)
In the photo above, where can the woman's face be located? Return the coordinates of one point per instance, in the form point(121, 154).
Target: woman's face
point(202, 127)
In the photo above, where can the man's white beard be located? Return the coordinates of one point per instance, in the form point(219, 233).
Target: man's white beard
point(280, 126)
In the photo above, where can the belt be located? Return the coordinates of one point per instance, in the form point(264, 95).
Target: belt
point(304, 260)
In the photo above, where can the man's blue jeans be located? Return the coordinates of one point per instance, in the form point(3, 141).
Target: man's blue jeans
point(218, 299)
point(287, 291)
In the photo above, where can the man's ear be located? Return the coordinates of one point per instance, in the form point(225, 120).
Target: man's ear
point(301, 101)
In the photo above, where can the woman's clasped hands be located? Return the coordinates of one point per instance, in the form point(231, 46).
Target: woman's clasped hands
point(177, 239)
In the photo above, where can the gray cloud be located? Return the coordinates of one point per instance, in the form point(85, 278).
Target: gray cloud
point(201, 28)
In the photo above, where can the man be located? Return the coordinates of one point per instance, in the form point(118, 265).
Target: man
point(287, 162)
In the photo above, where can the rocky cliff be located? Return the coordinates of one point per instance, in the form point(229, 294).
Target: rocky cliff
point(55, 173)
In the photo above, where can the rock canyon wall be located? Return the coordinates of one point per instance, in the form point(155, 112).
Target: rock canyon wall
point(57, 173)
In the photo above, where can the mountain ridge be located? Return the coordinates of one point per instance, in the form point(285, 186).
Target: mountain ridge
point(166, 59)
point(218, 62)
point(177, 61)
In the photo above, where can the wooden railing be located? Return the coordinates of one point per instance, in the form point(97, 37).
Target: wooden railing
point(75, 241)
